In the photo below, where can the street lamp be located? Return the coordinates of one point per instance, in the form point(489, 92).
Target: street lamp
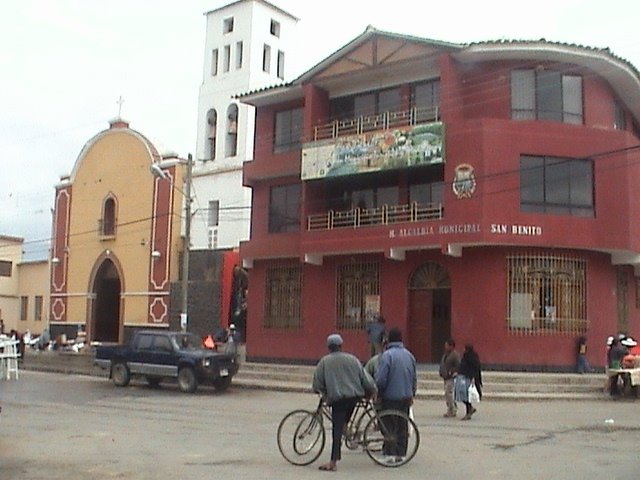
point(157, 171)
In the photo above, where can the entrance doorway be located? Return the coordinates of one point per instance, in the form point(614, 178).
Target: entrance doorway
point(106, 306)
point(429, 323)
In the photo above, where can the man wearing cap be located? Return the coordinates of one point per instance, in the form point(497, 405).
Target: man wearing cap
point(341, 380)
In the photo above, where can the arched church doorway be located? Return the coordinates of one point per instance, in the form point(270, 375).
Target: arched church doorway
point(105, 326)
point(429, 323)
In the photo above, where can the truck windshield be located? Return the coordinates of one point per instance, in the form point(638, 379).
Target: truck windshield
point(187, 341)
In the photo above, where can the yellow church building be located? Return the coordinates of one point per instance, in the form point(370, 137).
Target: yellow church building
point(116, 238)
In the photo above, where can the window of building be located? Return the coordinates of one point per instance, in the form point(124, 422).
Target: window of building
point(5, 268)
point(231, 149)
point(288, 130)
point(266, 59)
point(546, 95)
point(366, 104)
point(227, 25)
point(559, 186)
point(24, 308)
point(547, 294)
point(425, 99)
point(239, 52)
point(619, 117)
point(426, 185)
point(283, 293)
point(212, 128)
point(284, 208)
point(214, 62)
point(38, 308)
point(275, 28)
point(226, 60)
point(108, 221)
point(357, 283)
point(280, 66)
point(213, 213)
point(426, 193)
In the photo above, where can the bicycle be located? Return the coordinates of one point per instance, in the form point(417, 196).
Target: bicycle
point(389, 437)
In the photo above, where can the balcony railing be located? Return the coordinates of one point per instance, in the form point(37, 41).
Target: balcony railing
point(369, 217)
point(381, 121)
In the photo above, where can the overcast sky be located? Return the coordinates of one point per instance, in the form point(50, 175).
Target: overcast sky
point(64, 63)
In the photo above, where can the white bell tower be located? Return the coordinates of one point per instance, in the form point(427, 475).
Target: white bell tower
point(246, 48)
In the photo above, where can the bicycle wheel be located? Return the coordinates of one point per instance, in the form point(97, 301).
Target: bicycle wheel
point(391, 438)
point(301, 437)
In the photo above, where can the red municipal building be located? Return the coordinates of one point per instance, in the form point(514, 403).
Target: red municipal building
point(486, 192)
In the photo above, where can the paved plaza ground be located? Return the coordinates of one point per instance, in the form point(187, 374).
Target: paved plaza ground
point(55, 426)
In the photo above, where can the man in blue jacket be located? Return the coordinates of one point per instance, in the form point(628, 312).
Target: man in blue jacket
point(397, 383)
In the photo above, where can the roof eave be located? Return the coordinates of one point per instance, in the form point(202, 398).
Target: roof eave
point(370, 32)
point(269, 96)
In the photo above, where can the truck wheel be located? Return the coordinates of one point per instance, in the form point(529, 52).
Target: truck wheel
point(222, 383)
point(120, 374)
point(187, 380)
point(154, 382)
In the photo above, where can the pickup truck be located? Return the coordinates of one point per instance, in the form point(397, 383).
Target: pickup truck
point(158, 355)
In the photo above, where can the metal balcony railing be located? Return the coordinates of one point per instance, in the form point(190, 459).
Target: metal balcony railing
point(369, 123)
point(368, 217)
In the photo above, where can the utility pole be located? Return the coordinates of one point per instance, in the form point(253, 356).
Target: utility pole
point(187, 246)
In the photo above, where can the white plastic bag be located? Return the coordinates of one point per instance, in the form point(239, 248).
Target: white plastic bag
point(474, 396)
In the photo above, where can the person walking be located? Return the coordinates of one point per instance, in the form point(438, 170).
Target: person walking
point(468, 373)
point(341, 380)
point(375, 335)
point(397, 383)
point(582, 363)
point(449, 364)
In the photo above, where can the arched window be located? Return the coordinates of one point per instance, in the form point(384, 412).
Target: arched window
point(232, 131)
point(108, 221)
point(210, 142)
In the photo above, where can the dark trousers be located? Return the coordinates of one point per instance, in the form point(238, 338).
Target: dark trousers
point(341, 411)
point(399, 426)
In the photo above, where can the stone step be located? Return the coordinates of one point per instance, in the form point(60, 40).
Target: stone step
point(435, 385)
point(284, 377)
point(436, 394)
point(508, 380)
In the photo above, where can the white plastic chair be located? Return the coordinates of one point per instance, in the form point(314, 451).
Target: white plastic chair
point(9, 359)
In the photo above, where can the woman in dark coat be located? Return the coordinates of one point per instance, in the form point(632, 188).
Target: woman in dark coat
point(468, 373)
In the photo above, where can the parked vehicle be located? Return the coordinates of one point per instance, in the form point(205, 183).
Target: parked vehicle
point(159, 355)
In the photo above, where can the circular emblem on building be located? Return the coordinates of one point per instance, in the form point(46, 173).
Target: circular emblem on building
point(464, 181)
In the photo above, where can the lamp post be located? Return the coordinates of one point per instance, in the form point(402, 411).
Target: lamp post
point(157, 171)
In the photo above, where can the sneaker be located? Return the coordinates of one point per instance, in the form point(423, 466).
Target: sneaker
point(389, 460)
point(449, 415)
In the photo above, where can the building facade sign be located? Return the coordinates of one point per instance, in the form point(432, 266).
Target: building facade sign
point(389, 149)
point(466, 228)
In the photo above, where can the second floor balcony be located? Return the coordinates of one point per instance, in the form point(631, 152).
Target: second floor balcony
point(372, 217)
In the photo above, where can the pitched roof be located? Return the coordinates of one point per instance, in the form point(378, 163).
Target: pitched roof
point(264, 2)
point(362, 53)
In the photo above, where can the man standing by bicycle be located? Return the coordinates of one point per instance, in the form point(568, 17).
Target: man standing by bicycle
point(397, 383)
point(341, 380)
